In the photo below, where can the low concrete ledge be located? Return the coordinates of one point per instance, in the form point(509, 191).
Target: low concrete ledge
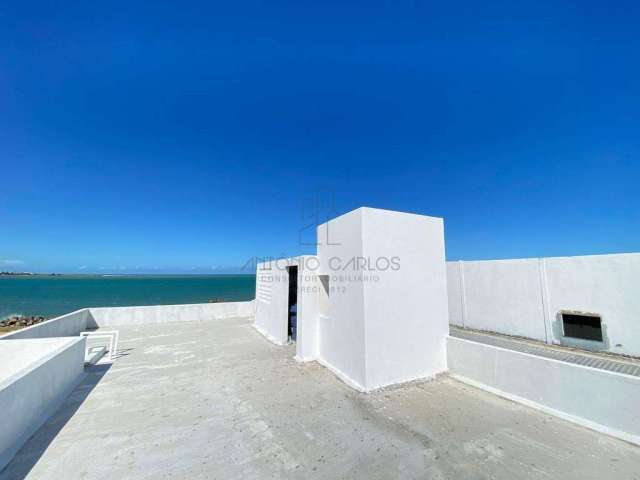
point(36, 376)
point(68, 325)
point(112, 316)
point(604, 401)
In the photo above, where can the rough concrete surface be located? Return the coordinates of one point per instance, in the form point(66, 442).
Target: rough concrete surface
point(216, 400)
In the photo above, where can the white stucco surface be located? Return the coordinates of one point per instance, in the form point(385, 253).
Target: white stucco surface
point(386, 319)
point(604, 401)
point(524, 297)
point(406, 312)
point(272, 296)
point(504, 294)
point(608, 285)
point(113, 316)
point(455, 287)
point(312, 303)
point(341, 329)
point(67, 325)
point(36, 376)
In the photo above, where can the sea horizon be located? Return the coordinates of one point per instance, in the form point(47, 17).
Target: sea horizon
point(51, 295)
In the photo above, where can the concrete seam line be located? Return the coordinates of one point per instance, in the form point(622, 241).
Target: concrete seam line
point(543, 297)
point(364, 303)
point(463, 295)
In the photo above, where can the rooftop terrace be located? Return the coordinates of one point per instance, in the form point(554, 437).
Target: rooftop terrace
point(214, 399)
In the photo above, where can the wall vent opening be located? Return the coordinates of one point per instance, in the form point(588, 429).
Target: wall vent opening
point(584, 327)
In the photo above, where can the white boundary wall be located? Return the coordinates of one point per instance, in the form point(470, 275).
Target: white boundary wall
point(604, 401)
point(113, 316)
point(72, 324)
point(524, 297)
point(50, 368)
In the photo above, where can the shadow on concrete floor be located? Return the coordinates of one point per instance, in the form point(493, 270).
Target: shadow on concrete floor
point(123, 352)
point(30, 453)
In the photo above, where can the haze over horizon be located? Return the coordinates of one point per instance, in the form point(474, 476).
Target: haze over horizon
point(191, 137)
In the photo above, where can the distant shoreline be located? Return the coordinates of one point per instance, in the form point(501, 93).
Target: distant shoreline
point(28, 274)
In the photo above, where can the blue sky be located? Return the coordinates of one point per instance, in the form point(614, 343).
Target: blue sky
point(186, 136)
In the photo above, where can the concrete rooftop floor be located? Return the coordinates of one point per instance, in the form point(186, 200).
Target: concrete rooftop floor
point(216, 400)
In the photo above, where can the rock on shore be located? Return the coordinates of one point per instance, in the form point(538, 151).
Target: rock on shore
point(21, 321)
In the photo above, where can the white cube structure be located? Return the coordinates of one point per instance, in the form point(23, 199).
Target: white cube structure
point(372, 305)
point(387, 318)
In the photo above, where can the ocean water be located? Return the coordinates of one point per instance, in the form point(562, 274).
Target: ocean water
point(50, 296)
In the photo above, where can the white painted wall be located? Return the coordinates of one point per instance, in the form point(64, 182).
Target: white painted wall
point(383, 326)
point(555, 387)
point(454, 293)
point(312, 302)
point(67, 325)
point(36, 376)
point(524, 297)
point(341, 329)
point(73, 323)
point(503, 294)
point(113, 316)
point(406, 311)
point(604, 284)
point(272, 300)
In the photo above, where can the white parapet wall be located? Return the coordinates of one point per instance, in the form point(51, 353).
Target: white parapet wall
point(604, 401)
point(525, 297)
point(67, 325)
point(113, 316)
point(36, 376)
point(73, 323)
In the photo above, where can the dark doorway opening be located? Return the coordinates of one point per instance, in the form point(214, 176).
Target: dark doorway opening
point(585, 327)
point(292, 323)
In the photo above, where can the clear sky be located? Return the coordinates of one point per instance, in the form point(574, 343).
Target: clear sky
point(185, 136)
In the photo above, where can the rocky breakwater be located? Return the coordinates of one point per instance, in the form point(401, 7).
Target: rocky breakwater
point(16, 322)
